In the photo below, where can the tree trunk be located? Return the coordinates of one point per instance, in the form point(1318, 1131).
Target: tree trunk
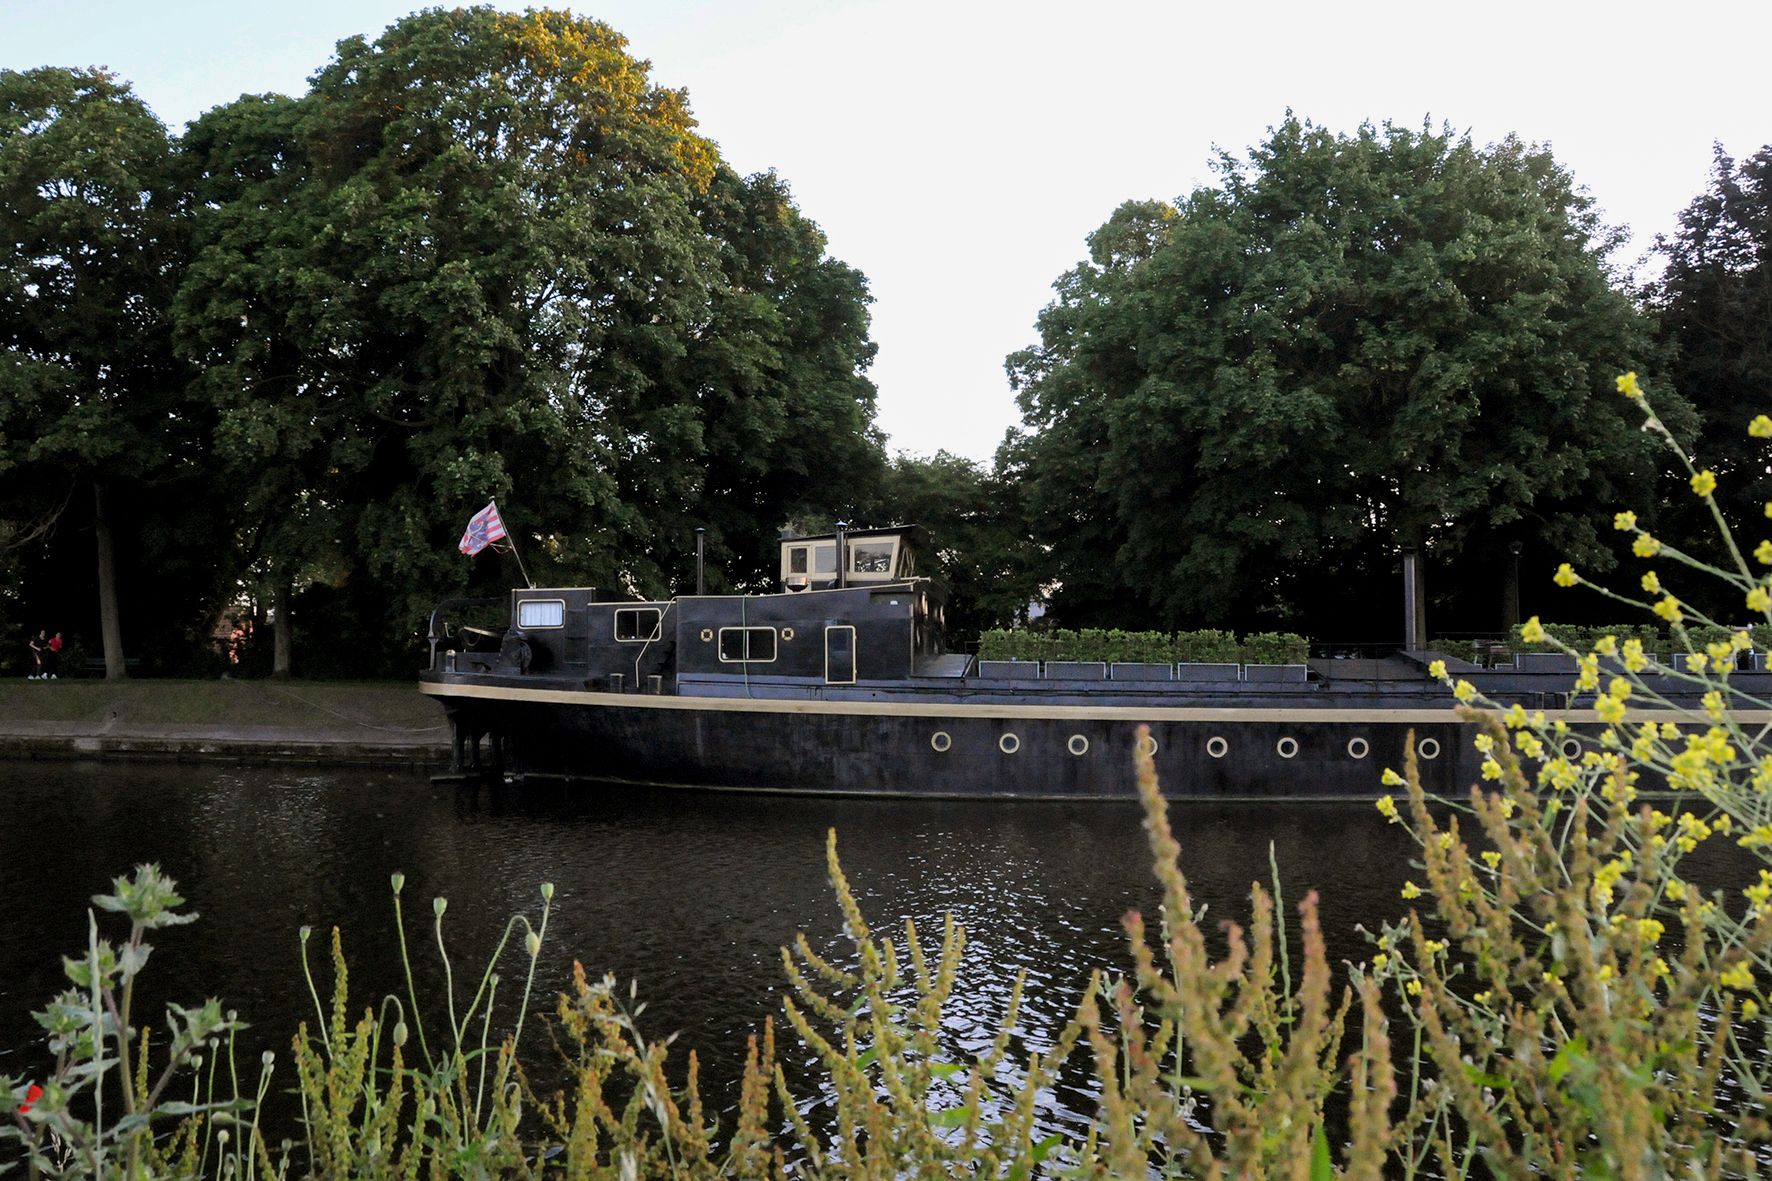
point(282, 632)
point(1510, 591)
point(110, 625)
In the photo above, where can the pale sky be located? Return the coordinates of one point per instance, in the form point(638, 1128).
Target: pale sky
point(958, 153)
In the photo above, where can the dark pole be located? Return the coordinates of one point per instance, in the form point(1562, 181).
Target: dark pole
point(842, 572)
point(701, 550)
point(1510, 598)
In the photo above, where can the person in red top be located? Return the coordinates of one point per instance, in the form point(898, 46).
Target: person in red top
point(52, 659)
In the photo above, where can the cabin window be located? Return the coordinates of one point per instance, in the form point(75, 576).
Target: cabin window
point(824, 558)
point(797, 559)
point(747, 645)
point(871, 558)
point(534, 613)
point(638, 623)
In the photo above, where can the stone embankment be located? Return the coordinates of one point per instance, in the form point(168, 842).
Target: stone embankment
point(332, 723)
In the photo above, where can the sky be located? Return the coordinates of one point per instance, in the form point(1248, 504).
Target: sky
point(960, 153)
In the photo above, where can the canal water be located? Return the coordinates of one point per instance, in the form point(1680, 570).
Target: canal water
point(691, 896)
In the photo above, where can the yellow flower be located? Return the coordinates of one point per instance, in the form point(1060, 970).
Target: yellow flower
point(1705, 482)
point(1465, 692)
point(1532, 631)
point(1491, 769)
point(1625, 521)
point(1694, 662)
point(1437, 670)
point(1713, 705)
point(1606, 645)
point(1763, 553)
point(1387, 807)
point(1627, 385)
point(1610, 709)
point(1634, 658)
point(1413, 988)
point(1379, 961)
point(1651, 583)
point(1669, 609)
point(1491, 858)
point(1645, 546)
point(1619, 688)
point(1411, 890)
point(1750, 1009)
point(1740, 977)
point(1565, 575)
point(1390, 778)
point(1760, 427)
point(1759, 601)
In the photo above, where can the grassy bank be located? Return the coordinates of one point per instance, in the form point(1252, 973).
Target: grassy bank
point(293, 705)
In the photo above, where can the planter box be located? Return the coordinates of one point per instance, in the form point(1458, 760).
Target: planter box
point(1128, 670)
point(1004, 670)
point(1544, 662)
point(1076, 670)
point(1206, 672)
point(1277, 673)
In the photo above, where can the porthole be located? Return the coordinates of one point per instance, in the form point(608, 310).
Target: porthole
point(1147, 745)
point(1078, 745)
point(1358, 748)
point(1571, 748)
point(940, 741)
point(1217, 747)
point(787, 633)
point(1287, 747)
point(707, 634)
point(1428, 748)
point(1009, 744)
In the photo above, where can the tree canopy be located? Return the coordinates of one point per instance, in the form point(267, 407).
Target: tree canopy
point(1242, 406)
point(1714, 302)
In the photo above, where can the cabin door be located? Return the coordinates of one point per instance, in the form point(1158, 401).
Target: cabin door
point(839, 655)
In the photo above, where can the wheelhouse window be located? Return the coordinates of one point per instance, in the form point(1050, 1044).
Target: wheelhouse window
point(747, 645)
point(633, 624)
point(539, 613)
point(797, 559)
point(871, 557)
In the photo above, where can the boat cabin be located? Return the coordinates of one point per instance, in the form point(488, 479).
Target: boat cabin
point(869, 616)
point(870, 556)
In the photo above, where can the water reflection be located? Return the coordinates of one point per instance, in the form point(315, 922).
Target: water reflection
point(692, 895)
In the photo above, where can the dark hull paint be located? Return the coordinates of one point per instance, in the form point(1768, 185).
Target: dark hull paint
point(785, 746)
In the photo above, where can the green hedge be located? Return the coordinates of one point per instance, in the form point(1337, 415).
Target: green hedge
point(1655, 640)
point(1209, 646)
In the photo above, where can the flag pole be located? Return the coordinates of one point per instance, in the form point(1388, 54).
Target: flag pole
point(512, 542)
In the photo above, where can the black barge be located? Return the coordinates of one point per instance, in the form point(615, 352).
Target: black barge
point(840, 684)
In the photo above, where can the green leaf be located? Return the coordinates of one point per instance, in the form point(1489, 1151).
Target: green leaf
point(952, 1117)
point(1322, 1166)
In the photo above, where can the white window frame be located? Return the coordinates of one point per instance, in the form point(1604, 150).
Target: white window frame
point(657, 625)
point(531, 627)
point(747, 658)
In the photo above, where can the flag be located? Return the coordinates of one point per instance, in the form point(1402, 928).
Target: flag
point(483, 530)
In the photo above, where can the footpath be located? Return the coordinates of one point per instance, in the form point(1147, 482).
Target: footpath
point(365, 724)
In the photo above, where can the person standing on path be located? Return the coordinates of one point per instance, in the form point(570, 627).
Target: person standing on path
point(39, 645)
point(52, 659)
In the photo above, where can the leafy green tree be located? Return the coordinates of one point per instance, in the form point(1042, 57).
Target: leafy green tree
point(487, 256)
point(984, 552)
point(1243, 407)
point(95, 428)
point(1715, 306)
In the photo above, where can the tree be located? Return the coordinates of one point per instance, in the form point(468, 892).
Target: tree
point(1241, 409)
point(1715, 307)
point(93, 419)
point(984, 554)
point(487, 256)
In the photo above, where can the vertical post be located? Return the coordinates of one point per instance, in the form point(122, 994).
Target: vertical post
point(1411, 620)
point(842, 554)
point(1510, 594)
point(701, 550)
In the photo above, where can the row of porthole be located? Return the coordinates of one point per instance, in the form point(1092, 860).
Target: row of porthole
point(1216, 746)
